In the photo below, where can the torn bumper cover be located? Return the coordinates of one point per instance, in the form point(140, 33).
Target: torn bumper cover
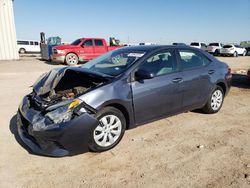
point(65, 138)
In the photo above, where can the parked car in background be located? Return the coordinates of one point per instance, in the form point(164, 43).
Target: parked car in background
point(83, 49)
point(76, 109)
point(214, 48)
point(146, 43)
point(25, 46)
point(179, 43)
point(233, 50)
point(199, 45)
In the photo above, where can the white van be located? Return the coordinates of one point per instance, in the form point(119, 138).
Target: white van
point(28, 46)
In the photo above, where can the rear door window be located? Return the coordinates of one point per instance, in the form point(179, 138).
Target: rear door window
point(31, 43)
point(99, 43)
point(192, 59)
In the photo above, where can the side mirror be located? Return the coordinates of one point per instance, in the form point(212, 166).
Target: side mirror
point(143, 75)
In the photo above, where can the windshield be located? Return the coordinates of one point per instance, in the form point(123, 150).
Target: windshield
point(76, 42)
point(194, 44)
point(227, 46)
point(213, 44)
point(114, 62)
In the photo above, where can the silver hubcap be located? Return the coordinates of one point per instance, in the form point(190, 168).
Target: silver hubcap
point(72, 59)
point(108, 130)
point(216, 101)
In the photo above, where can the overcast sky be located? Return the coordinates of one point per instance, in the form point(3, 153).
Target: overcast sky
point(156, 21)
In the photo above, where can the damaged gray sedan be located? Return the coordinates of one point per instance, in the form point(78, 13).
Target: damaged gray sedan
point(76, 109)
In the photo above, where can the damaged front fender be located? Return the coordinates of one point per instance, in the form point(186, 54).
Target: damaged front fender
point(66, 138)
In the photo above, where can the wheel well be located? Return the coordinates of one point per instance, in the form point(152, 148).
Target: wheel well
point(72, 53)
point(123, 110)
point(223, 86)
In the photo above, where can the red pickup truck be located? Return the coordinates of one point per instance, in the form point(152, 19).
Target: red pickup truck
point(83, 49)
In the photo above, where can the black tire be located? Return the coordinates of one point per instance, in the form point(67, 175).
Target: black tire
point(216, 53)
point(71, 59)
point(22, 51)
point(93, 145)
point(208, 106)
point(235, 54)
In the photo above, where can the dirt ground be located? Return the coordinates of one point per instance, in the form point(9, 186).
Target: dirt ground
point(165, 153)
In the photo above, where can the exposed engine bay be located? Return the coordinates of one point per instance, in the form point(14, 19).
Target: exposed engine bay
point(56, 87)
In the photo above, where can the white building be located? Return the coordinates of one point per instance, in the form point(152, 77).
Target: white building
point(8, 42)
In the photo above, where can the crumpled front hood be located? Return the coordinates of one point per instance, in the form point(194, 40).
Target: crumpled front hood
point(49, 81)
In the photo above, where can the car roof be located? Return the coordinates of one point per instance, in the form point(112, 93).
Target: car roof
point(157, 47)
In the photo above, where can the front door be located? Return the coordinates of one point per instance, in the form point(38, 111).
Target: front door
point(159, 96)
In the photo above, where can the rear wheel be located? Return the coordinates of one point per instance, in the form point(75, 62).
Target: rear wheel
point(215, 101)
point(71, 59)
point(22, 51)
point(110, 130)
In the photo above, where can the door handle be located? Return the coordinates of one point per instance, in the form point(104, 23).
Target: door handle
point(211, 71)
point(177, 80)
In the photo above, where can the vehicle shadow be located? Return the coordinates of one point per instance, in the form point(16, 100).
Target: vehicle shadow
point(240, 81)
point(14, 131)
point(49, 62)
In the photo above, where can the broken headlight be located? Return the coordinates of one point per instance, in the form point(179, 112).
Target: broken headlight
point(63, 113)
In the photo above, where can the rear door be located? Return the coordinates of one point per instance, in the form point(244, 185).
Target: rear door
point(100, 47)
point(159, 96)
point(87, 52)
point(196, 72)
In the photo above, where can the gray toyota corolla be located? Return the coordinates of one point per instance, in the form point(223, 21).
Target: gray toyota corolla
point(73, 110)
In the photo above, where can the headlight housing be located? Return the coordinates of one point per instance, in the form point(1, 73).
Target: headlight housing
point(63, 113)
point(60, 114)
point(60, 51)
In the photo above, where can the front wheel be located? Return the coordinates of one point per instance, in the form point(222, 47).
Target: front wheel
point(22, 51)
point(215, 101)
point(110, 130)
point(235, 54)
point(71, 59)
point(216, 53)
